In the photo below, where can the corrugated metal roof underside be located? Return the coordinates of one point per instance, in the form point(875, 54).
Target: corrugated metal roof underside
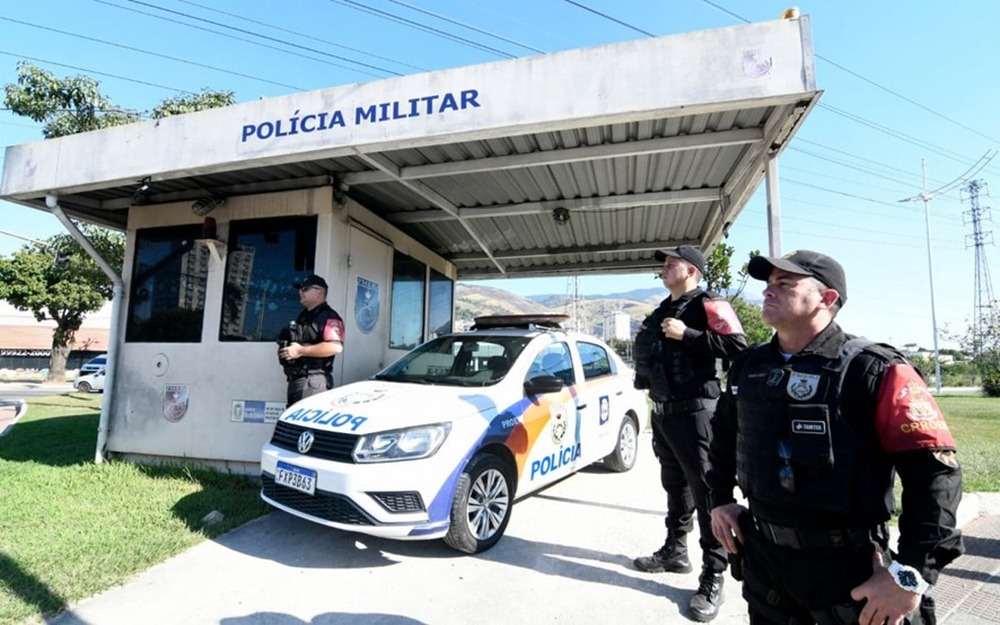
point(488, 205)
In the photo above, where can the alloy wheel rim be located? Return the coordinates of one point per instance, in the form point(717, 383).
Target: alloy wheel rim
point(489, 501)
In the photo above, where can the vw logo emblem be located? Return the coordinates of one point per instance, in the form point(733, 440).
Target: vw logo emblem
point(305, 442)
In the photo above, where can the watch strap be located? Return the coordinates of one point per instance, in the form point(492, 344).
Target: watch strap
point(908, 578)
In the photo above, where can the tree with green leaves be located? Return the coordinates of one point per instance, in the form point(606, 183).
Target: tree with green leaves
point(719, 278)
point(982, 340)
point(57, 280)
point(67, 106)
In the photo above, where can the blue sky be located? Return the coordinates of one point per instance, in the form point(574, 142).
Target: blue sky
point(906, 83)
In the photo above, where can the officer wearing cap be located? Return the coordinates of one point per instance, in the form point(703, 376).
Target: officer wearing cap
point(307, 348)
point(813, 427)
point(677, 351)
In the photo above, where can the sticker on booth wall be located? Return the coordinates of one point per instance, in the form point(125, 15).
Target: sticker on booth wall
point(366, 305)
point(255, 411)
point(175, 401)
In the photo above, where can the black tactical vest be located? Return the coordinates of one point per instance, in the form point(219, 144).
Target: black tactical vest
point(796, 451)
point(311, 324)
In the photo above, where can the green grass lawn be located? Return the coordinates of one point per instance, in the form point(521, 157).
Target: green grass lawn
point(975, 424)
point(70, 528)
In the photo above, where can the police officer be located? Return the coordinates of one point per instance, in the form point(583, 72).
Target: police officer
point(677, 352)
point(307, 349)
point(812, 427)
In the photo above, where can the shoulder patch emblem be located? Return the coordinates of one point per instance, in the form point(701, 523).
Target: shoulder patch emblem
point(802, 386)
point(908, 416)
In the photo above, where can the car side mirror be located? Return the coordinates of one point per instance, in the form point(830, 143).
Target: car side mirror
point(542, 384)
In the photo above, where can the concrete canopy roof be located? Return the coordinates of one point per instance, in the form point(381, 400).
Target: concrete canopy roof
point(579, 161)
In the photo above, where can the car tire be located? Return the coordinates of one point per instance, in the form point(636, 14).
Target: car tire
point(623, 457)
point(482, 505)
point(83, 387)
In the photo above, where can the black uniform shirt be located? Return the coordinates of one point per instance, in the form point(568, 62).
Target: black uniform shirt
point(931, 477)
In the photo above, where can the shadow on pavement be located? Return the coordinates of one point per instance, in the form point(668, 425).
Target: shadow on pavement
point(330, 618)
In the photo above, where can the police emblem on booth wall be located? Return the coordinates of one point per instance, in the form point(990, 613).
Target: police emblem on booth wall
point(802, 386)
point(366, 305)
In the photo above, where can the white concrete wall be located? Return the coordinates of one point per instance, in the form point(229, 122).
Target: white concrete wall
point(216, 373)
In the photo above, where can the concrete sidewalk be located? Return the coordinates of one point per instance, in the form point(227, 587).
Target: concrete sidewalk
point(566, 558)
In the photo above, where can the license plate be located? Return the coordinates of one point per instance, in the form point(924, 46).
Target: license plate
point(295, 477)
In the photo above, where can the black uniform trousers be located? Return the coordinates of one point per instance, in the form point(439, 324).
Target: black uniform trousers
point(302, 386)
point(786, 585)
point(680, 442)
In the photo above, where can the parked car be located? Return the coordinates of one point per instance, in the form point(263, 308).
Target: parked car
point(95, 364)
point(442, 442)
point(90, 382)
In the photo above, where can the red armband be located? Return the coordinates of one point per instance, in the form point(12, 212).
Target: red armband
point(334, 330)
point(907, 416)
point(722, 318)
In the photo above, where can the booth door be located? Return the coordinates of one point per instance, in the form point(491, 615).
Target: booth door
point(367, 319)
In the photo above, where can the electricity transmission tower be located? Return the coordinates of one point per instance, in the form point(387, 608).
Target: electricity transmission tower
point(926, 196)
point(983, 305)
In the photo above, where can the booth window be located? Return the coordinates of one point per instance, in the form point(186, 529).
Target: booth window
point(265, 258)
point(167, 290)
point(441, 299)
point(407, 316)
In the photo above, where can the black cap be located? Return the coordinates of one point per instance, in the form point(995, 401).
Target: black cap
point(803, 263)
point(312, 280)
point(685, 252)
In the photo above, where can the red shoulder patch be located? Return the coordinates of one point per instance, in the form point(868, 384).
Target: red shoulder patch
point(334, 330)
point(908, 416)
point(722, 318)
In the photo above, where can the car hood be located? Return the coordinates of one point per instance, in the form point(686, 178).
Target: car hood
point(376, 406)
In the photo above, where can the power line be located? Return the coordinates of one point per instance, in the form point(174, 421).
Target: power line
point(468, 26)
point(305, 36)
point(98, 73)
point(258, 35)
point(147, 52)
point(608, 17)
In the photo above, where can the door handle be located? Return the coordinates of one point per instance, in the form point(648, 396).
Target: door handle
point(581, 406)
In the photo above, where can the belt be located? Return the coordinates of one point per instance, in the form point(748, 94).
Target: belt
point(797, 538)
point(681, 405)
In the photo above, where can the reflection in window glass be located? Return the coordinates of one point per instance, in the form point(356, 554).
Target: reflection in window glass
point(554, 360)
point(595, 360)
point(167, 289)
point(440, 304)
point(265, 258)
point(407, 317)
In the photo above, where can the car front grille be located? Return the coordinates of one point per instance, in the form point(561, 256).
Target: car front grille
point(322, 505)
point(326, 445)
point(408, 501)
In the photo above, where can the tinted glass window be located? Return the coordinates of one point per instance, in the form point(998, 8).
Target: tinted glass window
point(265, 258)
point(441, 295)
point(167, 296)
point(554, 360)
point(595, 360)
point(465, 360)
point(407, 316)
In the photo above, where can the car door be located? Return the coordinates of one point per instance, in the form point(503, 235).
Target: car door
point(598, 394)
point(551, 421)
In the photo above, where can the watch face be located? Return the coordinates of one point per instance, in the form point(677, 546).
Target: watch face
point(907, 579)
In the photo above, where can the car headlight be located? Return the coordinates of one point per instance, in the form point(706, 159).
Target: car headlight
point(406, 444)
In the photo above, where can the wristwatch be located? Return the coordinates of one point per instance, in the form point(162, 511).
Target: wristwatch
point(908, 578)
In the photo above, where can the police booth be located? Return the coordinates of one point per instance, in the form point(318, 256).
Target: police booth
point(586, 160)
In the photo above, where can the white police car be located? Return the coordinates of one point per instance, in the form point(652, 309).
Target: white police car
point(440, 443)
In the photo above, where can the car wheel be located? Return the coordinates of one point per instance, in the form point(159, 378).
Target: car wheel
point(623, 457)
point(83, 387)
point(481, 508)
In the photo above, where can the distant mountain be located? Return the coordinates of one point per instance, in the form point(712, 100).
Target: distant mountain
point(474, 301)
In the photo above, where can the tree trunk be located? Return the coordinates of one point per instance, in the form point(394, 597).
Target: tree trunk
point(62, 338)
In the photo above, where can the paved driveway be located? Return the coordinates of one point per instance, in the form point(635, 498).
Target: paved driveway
point(566, 558)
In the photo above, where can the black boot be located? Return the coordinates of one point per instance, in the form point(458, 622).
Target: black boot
point(705, 603)
point(672, 557)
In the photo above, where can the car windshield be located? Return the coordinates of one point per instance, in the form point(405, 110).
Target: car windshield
point(467, 360)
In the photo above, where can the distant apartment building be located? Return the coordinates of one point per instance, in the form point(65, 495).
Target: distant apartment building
point(617, 325)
